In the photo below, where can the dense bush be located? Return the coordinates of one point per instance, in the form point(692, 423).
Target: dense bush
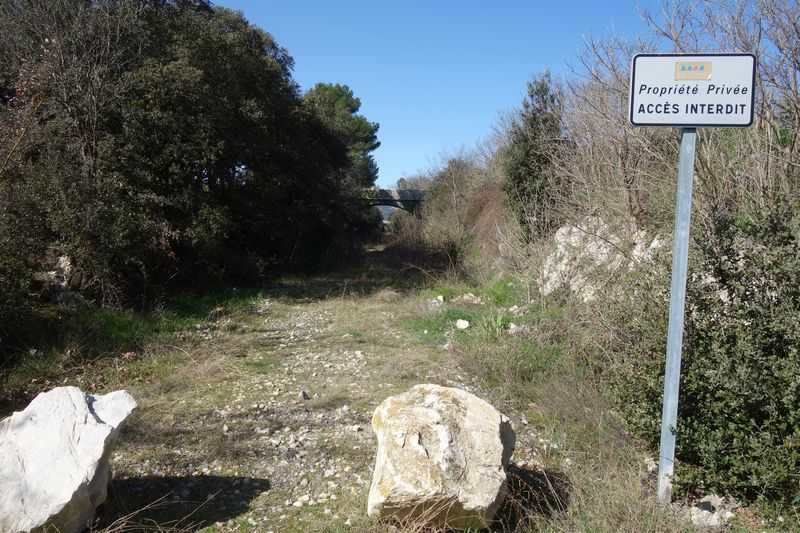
point(164, 144)
point(739, 411)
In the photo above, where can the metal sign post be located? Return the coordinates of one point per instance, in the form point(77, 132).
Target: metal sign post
point(677, 302)
point(687, 91)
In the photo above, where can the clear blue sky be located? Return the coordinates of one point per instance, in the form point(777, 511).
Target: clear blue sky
point(435, 74)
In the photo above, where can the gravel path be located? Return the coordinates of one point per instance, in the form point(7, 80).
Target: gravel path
point(264, 424)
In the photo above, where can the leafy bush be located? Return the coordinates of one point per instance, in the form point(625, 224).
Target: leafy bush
point(166, 144)
point(739, 409)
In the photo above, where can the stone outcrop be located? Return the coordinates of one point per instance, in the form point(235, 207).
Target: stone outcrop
point(441, 459)
point(589, 250)
point(54, 459)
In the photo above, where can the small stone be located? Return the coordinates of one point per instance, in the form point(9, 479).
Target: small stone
point(462, 324)
point(514, 329)
point(711, 502)
point(703, 518)
point(437, 302)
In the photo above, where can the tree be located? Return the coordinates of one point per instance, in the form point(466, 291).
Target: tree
point(337, 108)
point(535, 135)
point(165, 143)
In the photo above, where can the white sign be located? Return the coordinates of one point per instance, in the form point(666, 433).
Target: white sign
point(692, 90)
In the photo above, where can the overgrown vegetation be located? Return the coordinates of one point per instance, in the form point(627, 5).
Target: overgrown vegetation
point(160, 145)
point(739, 400)
point(570, 157)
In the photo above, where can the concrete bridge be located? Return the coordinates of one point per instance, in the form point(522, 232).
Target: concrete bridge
point(406, 199)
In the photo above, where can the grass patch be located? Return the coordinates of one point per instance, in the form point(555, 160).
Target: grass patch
point(438, 326)
point(262, 365)
point(448, 289)
point(541, 373)
point(186, 310)
point(503, 291)
point(94, 345)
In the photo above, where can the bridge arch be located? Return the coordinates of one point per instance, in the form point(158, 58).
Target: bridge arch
point(406, 199)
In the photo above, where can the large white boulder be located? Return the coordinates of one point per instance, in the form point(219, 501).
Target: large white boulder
point(54, 459)
point(441, 459)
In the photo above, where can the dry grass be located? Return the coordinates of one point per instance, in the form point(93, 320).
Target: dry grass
point(584, 475)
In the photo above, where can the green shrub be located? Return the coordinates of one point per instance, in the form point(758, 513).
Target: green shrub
point(131, 164)
point(739, 410)
point(503, 291)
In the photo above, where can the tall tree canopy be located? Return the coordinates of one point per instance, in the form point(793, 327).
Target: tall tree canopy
point(337, 108)
point(159, 143)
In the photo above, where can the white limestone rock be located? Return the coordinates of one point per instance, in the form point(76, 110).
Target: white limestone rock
point(54, 459)
point(590, 249)
point(441, 459)
point(712, 511)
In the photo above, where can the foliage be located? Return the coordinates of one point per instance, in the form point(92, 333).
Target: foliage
point(533, 136)
point(337, 108)
point(739, 409)
point(165, 144)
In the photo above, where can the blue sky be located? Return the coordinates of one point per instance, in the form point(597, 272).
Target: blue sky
point(435, 74)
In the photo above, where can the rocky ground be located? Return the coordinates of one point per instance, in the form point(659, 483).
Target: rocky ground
point(261, 420)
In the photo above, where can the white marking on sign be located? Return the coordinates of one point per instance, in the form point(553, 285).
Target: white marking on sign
point(692, 90)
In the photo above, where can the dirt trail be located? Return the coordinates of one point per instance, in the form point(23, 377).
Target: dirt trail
point(264, 424)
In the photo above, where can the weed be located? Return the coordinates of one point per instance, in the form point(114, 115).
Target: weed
point(503, 291)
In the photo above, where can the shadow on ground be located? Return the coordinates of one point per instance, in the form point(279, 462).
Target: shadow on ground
point(93, 334)
point(381, 267)
point(532, 494)
point(177, 503)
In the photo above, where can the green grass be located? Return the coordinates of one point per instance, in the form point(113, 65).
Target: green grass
point(263, 365)
point(503, 291)
point(448, 290)
point(435, 326)
point(188, 309)
point(58, 344)
point(540, 374)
